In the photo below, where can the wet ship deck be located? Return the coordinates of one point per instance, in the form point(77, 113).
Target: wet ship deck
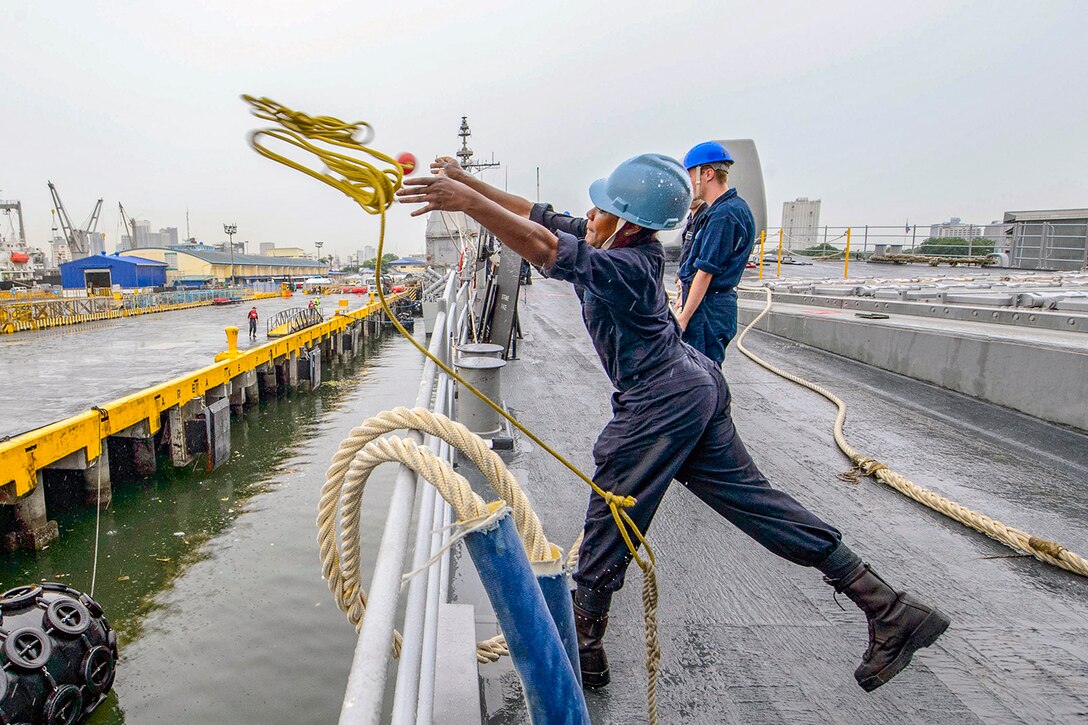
point(746, 637)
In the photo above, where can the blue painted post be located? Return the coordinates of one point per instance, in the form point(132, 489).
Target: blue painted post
point(555, 585)
point(552, 692)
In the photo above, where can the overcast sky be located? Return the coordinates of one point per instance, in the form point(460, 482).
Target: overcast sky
point(885, 111)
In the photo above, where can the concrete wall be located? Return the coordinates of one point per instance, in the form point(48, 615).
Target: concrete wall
point(1046, 382)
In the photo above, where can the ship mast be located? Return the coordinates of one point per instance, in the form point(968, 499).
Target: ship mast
point(465, 153)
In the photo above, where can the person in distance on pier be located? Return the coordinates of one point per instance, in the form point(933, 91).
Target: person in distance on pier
point(616, 265)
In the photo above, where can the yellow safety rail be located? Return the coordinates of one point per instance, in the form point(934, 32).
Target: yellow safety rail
point(22, 456)
point(26, 315)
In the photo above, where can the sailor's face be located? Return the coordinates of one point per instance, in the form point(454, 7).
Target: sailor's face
point(601, 226)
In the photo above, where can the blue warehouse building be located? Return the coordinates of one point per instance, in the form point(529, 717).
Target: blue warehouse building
point(103, 271)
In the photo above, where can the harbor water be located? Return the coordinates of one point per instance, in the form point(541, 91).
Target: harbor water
point(213, 580)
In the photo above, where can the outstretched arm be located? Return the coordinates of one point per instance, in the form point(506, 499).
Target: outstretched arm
point(441, 193)
point(449, 166)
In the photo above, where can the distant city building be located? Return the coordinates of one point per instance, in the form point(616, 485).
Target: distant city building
point(369, 252)
point(144, 237)
point(59, 252)
point(265, 246)
point(141, 229)
point(955, 228)
point(96, 243)
point(1048, 239)
point(801, 222)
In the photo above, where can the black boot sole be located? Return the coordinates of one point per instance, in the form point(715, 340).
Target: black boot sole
point(932, 627)
point(595, 680)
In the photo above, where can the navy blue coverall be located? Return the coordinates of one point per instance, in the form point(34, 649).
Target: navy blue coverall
point(688, 237)
point(722, 241)
point(670, 413)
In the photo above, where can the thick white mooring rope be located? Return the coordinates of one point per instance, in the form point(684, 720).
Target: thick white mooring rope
point(363, 451)
point(1045, 550)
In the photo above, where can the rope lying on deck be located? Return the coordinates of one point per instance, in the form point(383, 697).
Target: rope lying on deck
point(1045, 550)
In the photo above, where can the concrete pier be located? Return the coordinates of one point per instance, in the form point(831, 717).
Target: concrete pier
point(123, 436)
point(97, 482)
point(290, 371)
point(244, 391)
point(32, 528)
point(266, 380)
point(139, 444)
point(176, 418)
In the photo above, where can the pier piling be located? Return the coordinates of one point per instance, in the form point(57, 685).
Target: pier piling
point(32, 528)
point(176, 417)
point(139, 445)
point(97, 483)
point(267, 381)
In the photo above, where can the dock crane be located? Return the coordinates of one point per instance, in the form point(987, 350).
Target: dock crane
point(129, 224)
point(78, 242)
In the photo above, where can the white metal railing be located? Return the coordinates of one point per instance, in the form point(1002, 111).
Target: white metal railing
point(414, 689)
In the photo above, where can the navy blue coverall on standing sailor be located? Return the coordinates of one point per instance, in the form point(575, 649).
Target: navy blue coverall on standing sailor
point(671, 416)
point(722, 241)
point(688, 236)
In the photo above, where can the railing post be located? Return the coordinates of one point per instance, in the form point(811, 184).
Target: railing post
point(762, 245)
point(370, 665)
point(846, 265)
point(779, 272)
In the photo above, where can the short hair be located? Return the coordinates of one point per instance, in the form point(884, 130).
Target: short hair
point(721, 170)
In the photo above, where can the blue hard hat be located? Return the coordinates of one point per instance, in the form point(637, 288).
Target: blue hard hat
point(651, 190)
point(708, 152)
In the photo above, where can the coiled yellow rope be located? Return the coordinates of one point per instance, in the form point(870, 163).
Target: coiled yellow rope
point(1045, 550)
point(372, 187)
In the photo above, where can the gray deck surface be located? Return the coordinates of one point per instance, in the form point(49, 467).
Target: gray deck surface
point(750, 638)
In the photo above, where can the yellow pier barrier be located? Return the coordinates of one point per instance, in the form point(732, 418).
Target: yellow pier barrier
point(42, 314)
point(22, 456)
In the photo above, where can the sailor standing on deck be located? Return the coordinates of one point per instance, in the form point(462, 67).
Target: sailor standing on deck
point(722, 240)
point(616, 265)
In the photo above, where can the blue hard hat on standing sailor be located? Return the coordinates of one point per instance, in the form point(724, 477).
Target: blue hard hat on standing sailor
point(650, 190)
point(708, 152)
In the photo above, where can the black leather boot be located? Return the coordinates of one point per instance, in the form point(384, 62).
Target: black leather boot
point(591, 621)
point(899, 625)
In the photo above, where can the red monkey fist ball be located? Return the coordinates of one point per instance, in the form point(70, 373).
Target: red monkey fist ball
point(407, 162)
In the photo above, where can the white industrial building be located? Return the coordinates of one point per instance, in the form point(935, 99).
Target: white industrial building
point(801, 222)
point(955, 228)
